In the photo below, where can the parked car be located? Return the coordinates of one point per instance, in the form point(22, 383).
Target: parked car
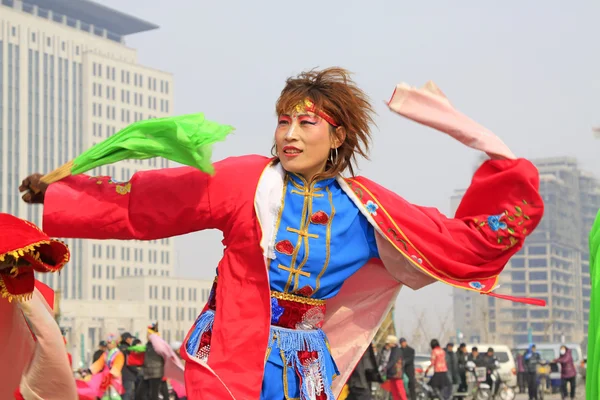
point(551, 351)
point(422, 361)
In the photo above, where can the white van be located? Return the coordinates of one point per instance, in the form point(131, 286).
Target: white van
point(508, 366)
point(551, 351)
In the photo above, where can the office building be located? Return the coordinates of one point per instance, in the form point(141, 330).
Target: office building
point(67, 82)
point(552, 265)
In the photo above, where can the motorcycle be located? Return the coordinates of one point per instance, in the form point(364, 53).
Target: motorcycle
point(427, 392)
point(484, 391)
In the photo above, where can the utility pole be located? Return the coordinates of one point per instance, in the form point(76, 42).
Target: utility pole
point(57, 296)
point(484, 313)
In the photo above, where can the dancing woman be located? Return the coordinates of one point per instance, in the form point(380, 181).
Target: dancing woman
point(313, 261)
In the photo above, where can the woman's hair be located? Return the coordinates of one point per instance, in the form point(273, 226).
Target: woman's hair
point(333, 92)
point(434, 343)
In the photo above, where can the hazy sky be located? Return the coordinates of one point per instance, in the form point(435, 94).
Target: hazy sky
point(529, 71)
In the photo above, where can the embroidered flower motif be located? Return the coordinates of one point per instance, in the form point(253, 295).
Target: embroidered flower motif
point(276, 310)
point(371, 207)
point(312, 378)
point(417, 259)
point(319, 218)
point(123, 189)
point(476, 285)
point(495, 223)
point(313, 318)
point(285, 247)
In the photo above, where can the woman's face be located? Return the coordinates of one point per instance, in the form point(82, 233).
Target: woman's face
point(303, 142)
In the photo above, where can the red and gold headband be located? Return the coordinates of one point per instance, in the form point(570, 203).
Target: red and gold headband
point(308, 105)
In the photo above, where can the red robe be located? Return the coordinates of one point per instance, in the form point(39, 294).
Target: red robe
point(468, 251)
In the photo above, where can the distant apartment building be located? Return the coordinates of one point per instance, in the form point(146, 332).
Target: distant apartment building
point(67, 82)
point(552, 265)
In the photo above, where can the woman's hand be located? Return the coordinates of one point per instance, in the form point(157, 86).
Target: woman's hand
point(35, 189)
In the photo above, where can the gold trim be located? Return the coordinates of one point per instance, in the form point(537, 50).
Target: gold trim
point(302, 233)
point(297, 299)
point(26, 249)
point(305, 203)
point(441, 277)
point(9, 296)
point(270, 347)
point(305, 224)
point(293, 271)
point(286, 394)
point(307, 194)
point(327, 240)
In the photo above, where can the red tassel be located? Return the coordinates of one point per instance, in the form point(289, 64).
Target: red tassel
point(525, 300)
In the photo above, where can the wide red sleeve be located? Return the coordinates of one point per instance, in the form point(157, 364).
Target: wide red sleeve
point(152, 205)
point(499, 209)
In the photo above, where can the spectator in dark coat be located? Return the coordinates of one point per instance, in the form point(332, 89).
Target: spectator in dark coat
point(129, 373)
point(532, 359)
point(98, 353)
point(408, 363)
point(364, 374)
point(568, 372)
point(452, 363)
point(462, 358)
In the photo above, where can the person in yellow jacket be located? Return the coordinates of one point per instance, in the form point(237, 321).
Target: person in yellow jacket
point(113, 359)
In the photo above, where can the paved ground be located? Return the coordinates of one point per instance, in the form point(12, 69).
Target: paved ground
point(580, 395)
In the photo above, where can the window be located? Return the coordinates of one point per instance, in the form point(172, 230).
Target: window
point(63, 46)
point(537, 250)
point(517, 262)
point(538, 276)
point(149, 312)
point(538, 263)
point(33, 36)
point(49, 43)
point(77, 50)
point(167, 87)
point(93, 270)
point(518, 276)
point(538, 288)
point(108, 292)
point(518, 288)
point(540, 314)
point(93, 291)
point(14, 31)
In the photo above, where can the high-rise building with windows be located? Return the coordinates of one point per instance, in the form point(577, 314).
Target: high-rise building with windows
point(552, 265)
point(67, 82)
